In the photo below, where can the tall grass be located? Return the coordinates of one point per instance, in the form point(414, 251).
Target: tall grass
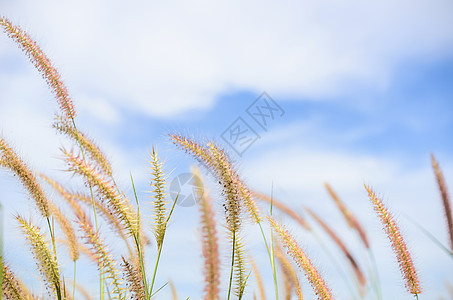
point(128, 275)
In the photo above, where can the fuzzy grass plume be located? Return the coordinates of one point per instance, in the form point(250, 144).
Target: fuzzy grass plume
point(289, 272)
point(216, 160)
point(10, 160)
point(358, 272)
point(134, 277)
point(209, 241)
point(65, 127)
point(45, 259)
point(106, 190)
point(445, 198)
point(43, 64)
point(399, 246)
point(12, 288)
point(103, 256)
point(258, 278)
point(316, 281)
point(348, 215)
point(158, 194)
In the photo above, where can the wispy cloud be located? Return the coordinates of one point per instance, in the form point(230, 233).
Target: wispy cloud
point(165, 58)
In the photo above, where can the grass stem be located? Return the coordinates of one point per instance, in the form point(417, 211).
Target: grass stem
point(160, 249)
point(232, 265)
point(273, 254)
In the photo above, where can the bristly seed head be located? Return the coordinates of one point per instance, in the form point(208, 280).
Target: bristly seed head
point(43, 64)
point(9, 159)
point(158, 184)
point(399, 246)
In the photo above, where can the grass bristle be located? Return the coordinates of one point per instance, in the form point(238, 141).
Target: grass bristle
point(295, 251)
point(398, 244)
point(45, 259)
point(43, 64)
point(348, 215)
point(209, 240)
point(12, 288)
point(134, 278)
point(10, 160)
point(116, 203)
point(445, 198)
point(158, 194)
point(358, 272)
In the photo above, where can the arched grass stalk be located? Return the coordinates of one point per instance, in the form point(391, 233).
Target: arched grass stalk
point(335, 262)
point(45, 259)
point(290, 274)
point(445, 198)
point(258, 279)
point(353, 223)
point(274, 273)
point(53, 80)
point(347, 253)
point(398, 244)
point(209, 244)
point(299, 256)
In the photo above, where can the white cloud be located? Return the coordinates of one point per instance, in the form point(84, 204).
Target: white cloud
point(165, 58)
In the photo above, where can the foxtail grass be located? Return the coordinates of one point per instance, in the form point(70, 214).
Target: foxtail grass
point(348, 216)
point(90, 148)
point(103, 256)
point(398, 244)
point(45, 259)
point(43, 64)
point(174, 293)
point(445, 198)
point(159, 213)
point(10, 159)
point(347, 253)
point(158, 194)
point(12, 288)
point(133, 276)
point(258, 278)
point(209, 244)
point(295, 251)
point(289, 272)
point(117, 203)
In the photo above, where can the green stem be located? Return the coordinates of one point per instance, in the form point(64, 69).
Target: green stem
point(155, 270)
point(159, 289)
point(232, 265)
point(138, 242)
point(57, 284)
point(160, 249)
point(431, 237)
point(74, 283)
point(273, 253)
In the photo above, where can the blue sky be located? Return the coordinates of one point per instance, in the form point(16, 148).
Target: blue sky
point(366, 89)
